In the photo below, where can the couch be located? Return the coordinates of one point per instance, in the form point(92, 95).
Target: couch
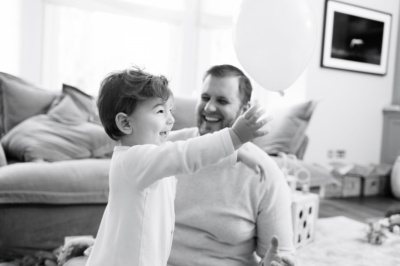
point(55, 155)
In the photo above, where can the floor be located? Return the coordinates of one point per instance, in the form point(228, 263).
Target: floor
point(358, 208)
point(343, 241)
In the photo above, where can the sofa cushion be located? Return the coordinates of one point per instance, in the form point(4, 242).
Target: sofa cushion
point(85, 103)
point(62, 134)
point(184, 112)
point(288, 129)
point(3, 159)
point(19, 100)
point(67, 182)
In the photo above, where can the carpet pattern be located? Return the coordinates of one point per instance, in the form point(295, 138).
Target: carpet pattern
point(343, 241)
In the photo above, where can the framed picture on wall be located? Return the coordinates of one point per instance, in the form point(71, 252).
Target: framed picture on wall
point(355, 38)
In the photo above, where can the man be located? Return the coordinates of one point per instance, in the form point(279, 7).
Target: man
point(225, 216)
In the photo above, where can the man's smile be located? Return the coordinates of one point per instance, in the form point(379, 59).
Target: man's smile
point(211, 119)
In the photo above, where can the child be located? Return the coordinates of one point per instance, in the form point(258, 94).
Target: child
point(138, 222)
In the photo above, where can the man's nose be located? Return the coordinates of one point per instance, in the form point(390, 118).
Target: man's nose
point(210, 106)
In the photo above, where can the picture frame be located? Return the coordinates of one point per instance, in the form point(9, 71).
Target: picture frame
point(355, 38)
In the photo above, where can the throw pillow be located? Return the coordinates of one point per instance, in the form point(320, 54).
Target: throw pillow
point(288, 129)
point(62, 134)
point(85, 102)
point(19, 100)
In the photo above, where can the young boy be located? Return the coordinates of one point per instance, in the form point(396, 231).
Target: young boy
point(138, 223)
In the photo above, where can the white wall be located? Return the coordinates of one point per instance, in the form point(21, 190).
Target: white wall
point(349, 115)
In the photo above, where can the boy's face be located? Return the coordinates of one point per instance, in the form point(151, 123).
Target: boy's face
point(220, 104)
point(151, 122)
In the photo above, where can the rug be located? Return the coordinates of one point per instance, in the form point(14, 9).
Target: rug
point(343, 241)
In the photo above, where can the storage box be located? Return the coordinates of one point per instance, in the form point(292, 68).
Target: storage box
point(376, 182)
point(371, 185)
point(351, 186)
point(332, 190)
point(347, 186)
point(304, 214)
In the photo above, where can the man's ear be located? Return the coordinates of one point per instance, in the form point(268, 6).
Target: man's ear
point(121, 119)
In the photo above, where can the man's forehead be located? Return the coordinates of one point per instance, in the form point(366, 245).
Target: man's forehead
point(227, 87)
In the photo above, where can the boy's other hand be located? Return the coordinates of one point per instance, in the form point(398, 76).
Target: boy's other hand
point(252, 160)
point(250, 125)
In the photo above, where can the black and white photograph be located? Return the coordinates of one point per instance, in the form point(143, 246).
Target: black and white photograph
point(355, 38)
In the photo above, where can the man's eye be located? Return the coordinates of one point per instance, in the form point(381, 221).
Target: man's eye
point(205, 98)
point(223, 102)
point(160, 111)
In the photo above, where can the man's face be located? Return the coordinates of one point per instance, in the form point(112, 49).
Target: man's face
point(220, 104)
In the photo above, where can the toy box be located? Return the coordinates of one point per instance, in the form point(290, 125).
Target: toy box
point(346, 186)
point(371, 185)
point(304, 214)
point(376, 181)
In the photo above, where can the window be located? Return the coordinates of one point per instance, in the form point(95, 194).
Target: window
point(10, 44)
point(82, 46)
point(85, 40)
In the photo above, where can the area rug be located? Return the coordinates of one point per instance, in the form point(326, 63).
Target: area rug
point(343, 241)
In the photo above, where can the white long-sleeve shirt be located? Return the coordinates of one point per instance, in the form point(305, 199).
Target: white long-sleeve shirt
point(138, 223)
point(225, 216)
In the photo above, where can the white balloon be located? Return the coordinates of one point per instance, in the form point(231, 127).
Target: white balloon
point(274, 40)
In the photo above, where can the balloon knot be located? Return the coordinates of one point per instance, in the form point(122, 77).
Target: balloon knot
point(281, 93)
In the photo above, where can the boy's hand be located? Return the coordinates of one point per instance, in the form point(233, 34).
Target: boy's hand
point(248, 126)
point(74, 248)
point(251, 160)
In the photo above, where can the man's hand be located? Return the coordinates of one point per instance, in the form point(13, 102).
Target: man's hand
point(252, 160)
point(249, 125)
point(273, 258)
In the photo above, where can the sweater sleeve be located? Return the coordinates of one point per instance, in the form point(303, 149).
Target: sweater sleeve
point(274, 217)
point(179, 157)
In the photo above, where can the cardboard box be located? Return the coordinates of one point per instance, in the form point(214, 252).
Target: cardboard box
point(358, 180)
point(346, 186)
point(371, 185)
point(332, 190)
point(351, 186)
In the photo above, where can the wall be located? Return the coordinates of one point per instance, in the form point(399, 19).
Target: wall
point(349, 115)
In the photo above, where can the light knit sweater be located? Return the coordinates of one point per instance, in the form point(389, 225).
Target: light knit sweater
point(224, 215)
point(138, 223)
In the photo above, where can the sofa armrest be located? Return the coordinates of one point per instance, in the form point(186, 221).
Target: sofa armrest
point(3, 159)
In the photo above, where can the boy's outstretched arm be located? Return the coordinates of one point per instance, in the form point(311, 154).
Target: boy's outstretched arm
point(248, 126)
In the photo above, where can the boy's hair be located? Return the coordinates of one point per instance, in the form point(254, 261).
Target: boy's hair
point(120, 91)
point(222, 71)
